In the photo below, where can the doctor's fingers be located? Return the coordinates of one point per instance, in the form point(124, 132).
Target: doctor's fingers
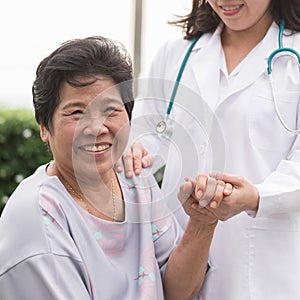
point(119, 165)
point(128, 163)
point(147, 160)
point(132, 160)
point(206, 188)
point(222, 190)
point(140, 157)
point(226, 210)
point(220, 176)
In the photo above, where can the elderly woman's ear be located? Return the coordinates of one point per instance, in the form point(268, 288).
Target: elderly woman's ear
point(44, 133)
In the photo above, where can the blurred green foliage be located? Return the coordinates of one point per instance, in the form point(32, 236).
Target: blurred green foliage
point(21, 149)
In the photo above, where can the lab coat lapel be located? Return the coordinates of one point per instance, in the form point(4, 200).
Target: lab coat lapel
point(206, 69)
point(255, 64)
point(205, 64)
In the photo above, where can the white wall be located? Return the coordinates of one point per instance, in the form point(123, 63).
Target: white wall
point(155, 28)
point(31, 29)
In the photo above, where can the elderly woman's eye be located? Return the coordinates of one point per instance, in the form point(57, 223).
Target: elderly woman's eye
point(75, 112)
point(110, 110)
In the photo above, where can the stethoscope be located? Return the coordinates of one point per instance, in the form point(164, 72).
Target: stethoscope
point(164, 128)
point(270, 59)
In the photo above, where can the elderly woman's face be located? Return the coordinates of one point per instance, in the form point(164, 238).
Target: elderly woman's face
point(90, 127)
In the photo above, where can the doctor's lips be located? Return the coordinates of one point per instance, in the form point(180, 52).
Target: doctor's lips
point(231, 10)
point(232, 7)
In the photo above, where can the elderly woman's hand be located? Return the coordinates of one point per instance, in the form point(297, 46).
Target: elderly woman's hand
point(187, 197)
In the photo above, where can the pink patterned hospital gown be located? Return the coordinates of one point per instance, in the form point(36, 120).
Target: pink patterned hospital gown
point(50, 248)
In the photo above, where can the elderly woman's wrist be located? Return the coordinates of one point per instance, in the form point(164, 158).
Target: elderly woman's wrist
point(198, 228)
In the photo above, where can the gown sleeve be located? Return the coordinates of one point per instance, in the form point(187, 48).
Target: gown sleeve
point(47, 277)
point(166, 231)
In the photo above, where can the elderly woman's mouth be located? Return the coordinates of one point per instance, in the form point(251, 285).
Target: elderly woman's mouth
point(95, 148)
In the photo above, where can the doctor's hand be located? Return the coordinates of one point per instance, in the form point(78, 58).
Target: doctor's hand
point(244, 197)
point(133, 160)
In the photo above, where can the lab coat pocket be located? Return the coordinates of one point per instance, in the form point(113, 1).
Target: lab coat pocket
point(274, 258)
point(265, 129)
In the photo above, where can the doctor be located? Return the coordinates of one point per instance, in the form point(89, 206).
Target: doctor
point(224, 119)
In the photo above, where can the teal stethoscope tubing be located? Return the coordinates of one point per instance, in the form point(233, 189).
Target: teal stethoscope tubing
point(270, 59)
point(179, 75)
point(164, 128)
point(280, 49)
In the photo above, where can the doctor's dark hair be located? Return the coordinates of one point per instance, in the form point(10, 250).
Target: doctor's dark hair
point(78, 58)
point(202, 17)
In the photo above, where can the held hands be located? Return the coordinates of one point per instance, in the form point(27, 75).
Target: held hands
point(214, 196)
point(200, 194)
point(222, 200)
point(244, 197)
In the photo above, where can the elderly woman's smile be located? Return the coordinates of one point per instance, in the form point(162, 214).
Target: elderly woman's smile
point(90, 126)
point(95, 148)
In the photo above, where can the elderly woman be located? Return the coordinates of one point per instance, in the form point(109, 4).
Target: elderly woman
point(77, 230)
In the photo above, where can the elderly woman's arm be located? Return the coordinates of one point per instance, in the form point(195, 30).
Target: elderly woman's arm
point(187, 264)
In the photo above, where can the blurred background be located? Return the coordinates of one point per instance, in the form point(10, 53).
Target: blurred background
point(32, 29)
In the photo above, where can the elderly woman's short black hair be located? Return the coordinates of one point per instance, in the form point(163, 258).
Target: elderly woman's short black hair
point(86, 57)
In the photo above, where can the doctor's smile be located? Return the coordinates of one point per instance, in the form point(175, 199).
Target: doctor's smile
point(233, 8)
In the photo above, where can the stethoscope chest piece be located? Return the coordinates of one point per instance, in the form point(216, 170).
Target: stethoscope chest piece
point(161, 127)
point(164, 128)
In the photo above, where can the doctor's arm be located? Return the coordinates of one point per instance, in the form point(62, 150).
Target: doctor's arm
point(278, 194)
point(280, 191)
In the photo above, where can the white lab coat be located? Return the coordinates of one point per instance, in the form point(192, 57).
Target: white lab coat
point(235, 129)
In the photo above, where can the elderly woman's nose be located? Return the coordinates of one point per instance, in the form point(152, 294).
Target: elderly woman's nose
point(95, 126)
